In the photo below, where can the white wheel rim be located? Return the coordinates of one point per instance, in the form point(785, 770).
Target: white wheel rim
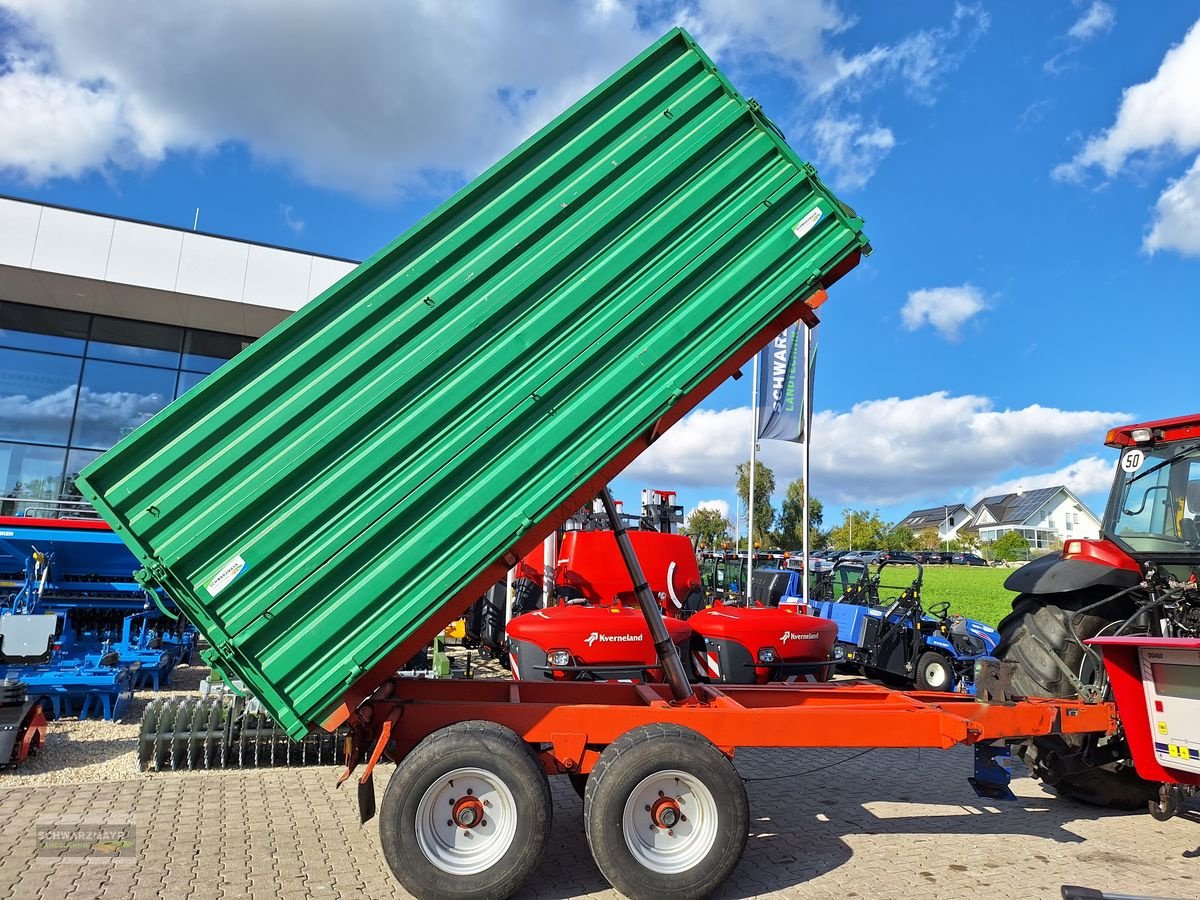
point(453, 848)
point(935, 675)
point(669, 851)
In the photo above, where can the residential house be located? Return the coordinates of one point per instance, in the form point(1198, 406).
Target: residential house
point(1044, 517)
point(946, 520)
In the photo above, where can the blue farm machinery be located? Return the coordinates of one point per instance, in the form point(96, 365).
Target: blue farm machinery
point(75, 627)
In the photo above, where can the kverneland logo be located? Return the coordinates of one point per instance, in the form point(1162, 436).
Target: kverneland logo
point(612, 638)
point(792, 636)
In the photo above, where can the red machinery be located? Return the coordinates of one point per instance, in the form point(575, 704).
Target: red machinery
point(757, 645)
point(1156, 684)
point(23, 727)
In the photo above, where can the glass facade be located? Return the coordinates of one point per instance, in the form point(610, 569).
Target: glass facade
point(72, 385)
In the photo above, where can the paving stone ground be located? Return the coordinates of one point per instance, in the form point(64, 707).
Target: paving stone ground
point(888, 824)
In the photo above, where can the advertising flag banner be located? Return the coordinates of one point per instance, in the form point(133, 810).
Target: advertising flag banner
point(781, 401)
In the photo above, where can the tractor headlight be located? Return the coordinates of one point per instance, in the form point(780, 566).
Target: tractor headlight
point(767, 656)
point(558, 658)
point(1141, 435)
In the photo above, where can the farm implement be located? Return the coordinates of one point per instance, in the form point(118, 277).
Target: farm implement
point(76, 627)
point(514, 352)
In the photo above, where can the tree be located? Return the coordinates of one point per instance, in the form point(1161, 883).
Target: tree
point(708, 527)
point(868, 531)
point(791, 517)
point(1010, 546)
point(764, 487)
point(899, 538)
point(928, 539)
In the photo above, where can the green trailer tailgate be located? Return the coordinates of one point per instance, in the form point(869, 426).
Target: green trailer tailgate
point(340, 486)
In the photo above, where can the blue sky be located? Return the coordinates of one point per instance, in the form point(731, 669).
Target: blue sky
point(1027, 171)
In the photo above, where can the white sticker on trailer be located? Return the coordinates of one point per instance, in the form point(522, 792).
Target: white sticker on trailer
point(805, 225)
point(225, 575)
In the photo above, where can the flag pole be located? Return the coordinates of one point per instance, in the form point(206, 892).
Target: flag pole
point(807, 413)
point(750, 503)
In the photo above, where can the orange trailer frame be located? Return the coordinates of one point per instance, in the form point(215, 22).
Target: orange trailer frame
point(572, 722)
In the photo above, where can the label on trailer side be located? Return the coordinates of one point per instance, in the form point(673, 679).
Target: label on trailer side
point(1172, 682)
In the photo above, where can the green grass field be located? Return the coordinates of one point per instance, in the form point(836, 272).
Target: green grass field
point(976, 593)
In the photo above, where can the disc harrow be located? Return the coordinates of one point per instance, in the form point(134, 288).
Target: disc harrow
point(226, 732)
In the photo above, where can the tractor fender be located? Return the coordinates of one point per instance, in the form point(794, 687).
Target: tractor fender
point(939, 643)
point(1056, 574)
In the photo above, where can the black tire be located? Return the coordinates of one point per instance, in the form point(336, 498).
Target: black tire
point(1035, 633)
point(494, 750)
point(716, 834)
point(934, 672)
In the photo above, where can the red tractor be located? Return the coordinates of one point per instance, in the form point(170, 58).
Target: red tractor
point(1138, 578)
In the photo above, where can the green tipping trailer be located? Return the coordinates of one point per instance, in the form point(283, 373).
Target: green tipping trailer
point(327, 501)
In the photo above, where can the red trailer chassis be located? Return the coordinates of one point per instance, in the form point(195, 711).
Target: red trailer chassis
point(574, 721)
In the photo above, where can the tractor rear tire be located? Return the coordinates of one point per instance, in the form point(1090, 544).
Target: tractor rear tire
point(665, 814)
point(466, 814)
point(1033, 635)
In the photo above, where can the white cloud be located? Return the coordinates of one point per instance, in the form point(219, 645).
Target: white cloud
point(920, 60)
point(1176, 224)
point(1158, 116)
point(378, 98)
point(1090, 475)
point(945, 308)
point(853, 149)
point(720, 506)
point(881, 452)
point(1159, 113)
point(290, 219)
point(1096, 20)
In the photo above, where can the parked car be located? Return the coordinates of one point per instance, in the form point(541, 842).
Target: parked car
point(898, 558)
point(870, 557)
point(969, 559)
point(934, 558)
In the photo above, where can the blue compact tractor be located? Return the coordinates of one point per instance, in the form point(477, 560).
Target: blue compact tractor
point(899, 641)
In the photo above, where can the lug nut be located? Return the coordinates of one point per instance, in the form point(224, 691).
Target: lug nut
point(450, 823)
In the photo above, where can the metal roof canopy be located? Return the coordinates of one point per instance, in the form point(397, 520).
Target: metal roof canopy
point(328, 500)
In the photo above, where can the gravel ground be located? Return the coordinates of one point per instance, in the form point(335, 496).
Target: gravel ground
point(97, 751)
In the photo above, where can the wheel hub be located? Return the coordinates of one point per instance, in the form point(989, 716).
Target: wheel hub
point(665, 812)
point(468, 812)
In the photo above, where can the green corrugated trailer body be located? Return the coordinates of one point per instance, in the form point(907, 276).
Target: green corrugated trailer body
point(339, 484)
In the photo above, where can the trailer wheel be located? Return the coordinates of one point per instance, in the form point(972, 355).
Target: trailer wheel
point(1032, 636)
point(466, 814)
point(934, 672)
point(665, 814)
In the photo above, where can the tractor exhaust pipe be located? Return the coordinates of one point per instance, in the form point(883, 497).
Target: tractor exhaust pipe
point(667, 654)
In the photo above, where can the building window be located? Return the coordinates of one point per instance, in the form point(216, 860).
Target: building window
point(28, 473)
point(35, 328)
point(37, 396)
point(72, 385)
point(115, 398)
point(145, 343)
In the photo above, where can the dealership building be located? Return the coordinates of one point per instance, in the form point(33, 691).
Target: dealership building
point(104, 321)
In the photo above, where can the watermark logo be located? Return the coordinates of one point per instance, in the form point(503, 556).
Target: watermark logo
point(69, 840)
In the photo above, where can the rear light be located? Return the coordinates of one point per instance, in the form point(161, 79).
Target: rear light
point(768, 656)
point(558, 658)
point(1073, 548)
point(1141, 435)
